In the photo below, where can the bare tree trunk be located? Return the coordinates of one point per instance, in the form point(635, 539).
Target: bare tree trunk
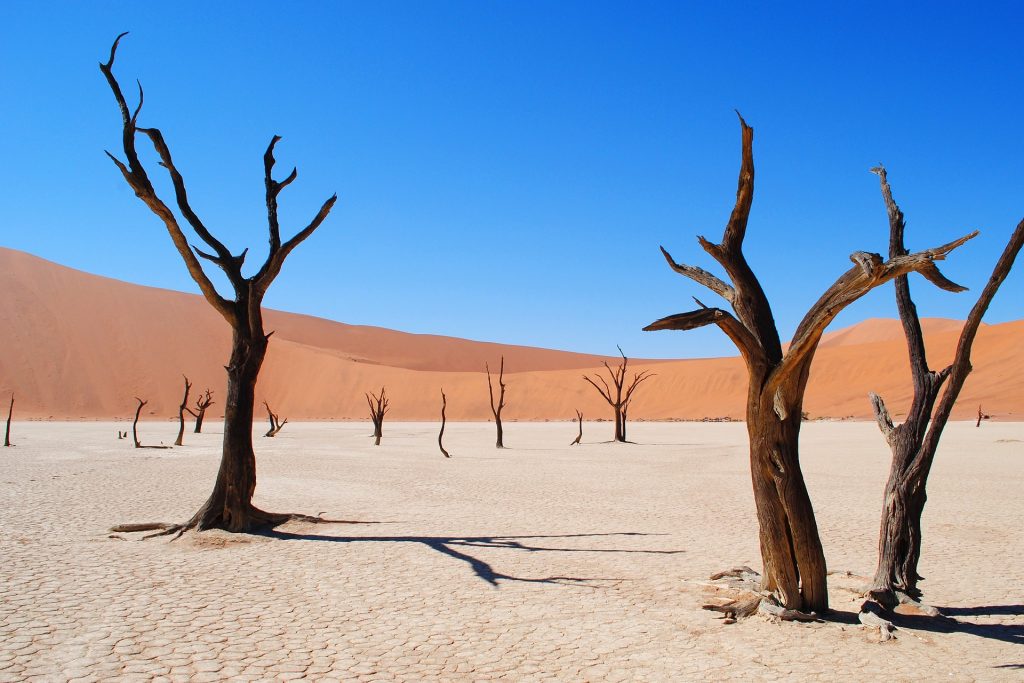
point(794, 563)
point(579, 437)
point(7, 432)
point(379, 405)
point(135, 422)
point(202, 403)
point(276, 425)
point(181, 413)
point(440, 435)
point(914, 442)
point(619, 398)
point(229, 506)
point(497, 408)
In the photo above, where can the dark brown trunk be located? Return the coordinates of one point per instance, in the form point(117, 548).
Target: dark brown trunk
point(181, 414)
point(199, 421)
point(440, 434)
point(794, 562)
point(496, 408)
point(619, 436)
point(230, 505)
point(135, 423)
point(7, 433)
point(914, 442)
point(579, 437)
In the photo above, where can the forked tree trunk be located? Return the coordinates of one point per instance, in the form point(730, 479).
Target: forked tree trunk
point(794, 563)
point(276, 424)
point(181, 413)
point(379, 406)
point(230, 504)
point(202, 404)
point(622, 394)
point(579, 437)
point(914, 442)
point(496, 408)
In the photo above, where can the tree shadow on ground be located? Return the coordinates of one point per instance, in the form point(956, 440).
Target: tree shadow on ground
point(455, 547)
point(1007, 633)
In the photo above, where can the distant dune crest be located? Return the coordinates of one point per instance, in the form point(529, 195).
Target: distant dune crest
point(76, 345)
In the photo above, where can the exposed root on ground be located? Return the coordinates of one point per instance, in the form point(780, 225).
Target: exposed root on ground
point(751, 599)
point(880, 604)
point(257, 520)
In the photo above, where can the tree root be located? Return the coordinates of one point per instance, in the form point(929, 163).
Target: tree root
point(871, 616)
point(753, 600)
point(258, 519)
point(881, 603)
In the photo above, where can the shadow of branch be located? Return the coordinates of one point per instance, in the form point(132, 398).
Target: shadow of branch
point(455, 547)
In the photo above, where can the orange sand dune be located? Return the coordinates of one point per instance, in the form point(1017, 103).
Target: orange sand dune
point(76, 346)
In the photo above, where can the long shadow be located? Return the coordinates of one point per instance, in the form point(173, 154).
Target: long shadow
point(991, 610)
point(1007, 633)
point(446, 545)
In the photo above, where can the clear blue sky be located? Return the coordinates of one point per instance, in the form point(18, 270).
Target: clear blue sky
point(506, 171)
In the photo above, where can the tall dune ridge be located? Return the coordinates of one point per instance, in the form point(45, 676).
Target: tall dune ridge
point(81, 346)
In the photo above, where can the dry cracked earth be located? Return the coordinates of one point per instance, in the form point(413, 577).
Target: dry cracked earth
point(537, 562)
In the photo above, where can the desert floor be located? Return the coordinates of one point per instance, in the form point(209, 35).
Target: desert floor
point(537, 561)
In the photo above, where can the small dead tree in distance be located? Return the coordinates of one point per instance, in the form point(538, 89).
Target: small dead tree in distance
point(496, 409)
point(135, 426)
point(579, 417)
point(230, 505)
point(7, 432)
point(620, 398)
point(181, 413)
point(913, 443)
point(202, 403)
point(276, 424)
point(795, 575)
point(379, 406)
point(440, 435)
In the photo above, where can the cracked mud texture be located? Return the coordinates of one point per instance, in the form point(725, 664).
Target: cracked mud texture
point(536, 562)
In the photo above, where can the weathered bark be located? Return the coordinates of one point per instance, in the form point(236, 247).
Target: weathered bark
point(202, 403)
point(440, 435)
point(7, 432)
point(619, 398)
point(379, 406)
point(794, 562)
point(181, 413)
point(230, 505)
point(135, 422)
point(276, 424)
point(579, 437)
point(497, 408)
point(914, 442)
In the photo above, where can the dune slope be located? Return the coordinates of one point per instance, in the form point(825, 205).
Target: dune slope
point(80, 346)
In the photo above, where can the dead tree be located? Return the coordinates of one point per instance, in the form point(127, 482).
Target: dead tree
point(230, 503)
point(135, 425)
point(794, 564)
point(440, 435)
point(181, 413)
point(619, 398)
point(7, 432)
point(379, 405)
point(276, 424)
point(981, 416)
point(579, 417)
point(202, 403)
point(913, 443)
point(496, 409)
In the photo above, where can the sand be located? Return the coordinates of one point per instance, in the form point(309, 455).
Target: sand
point(540, 561)
point(79, 346)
